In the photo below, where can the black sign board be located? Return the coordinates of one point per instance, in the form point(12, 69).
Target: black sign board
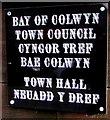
point(56, 57)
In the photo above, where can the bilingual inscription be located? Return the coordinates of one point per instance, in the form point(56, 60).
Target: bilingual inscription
point(56, 57)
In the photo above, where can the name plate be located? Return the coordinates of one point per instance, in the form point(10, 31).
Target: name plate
point(57, 57)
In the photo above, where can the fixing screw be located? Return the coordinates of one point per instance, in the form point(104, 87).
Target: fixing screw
point(9, 13)
point(101, 109)
point(12, 102)
point(102, 8)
